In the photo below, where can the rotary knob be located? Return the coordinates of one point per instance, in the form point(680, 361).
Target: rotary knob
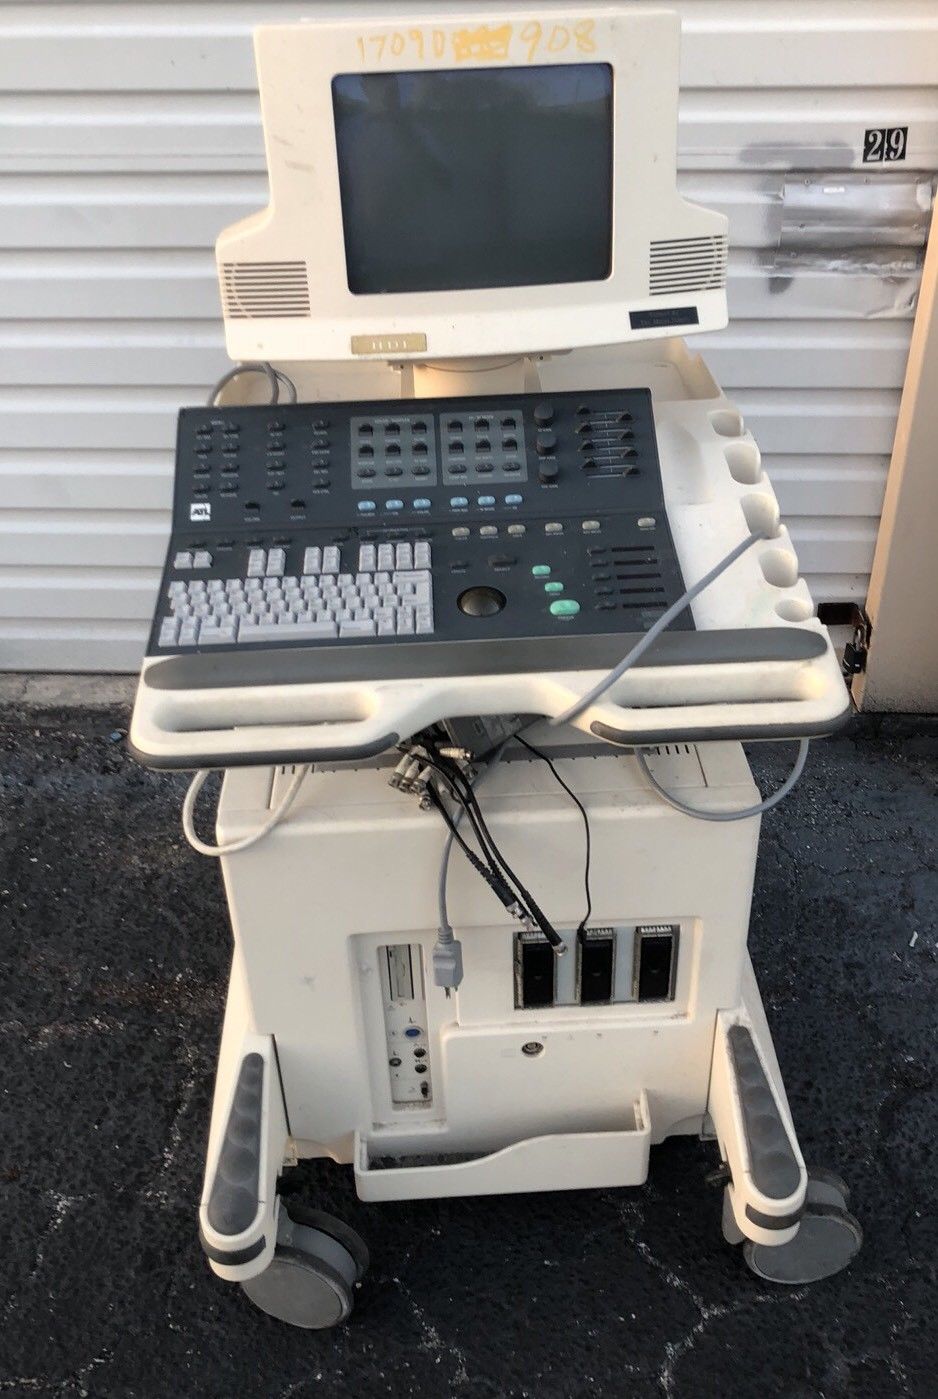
point(546, 443)
point(544, 412)
point(548, 472)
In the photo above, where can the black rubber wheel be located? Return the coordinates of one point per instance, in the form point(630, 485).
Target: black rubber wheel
point(828, 1238)
point(317, 1264)
point(826, 1188)
point(343, 1234)
point(301, 1290)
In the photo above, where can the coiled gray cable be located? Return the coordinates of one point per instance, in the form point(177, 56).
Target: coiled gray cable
point(765, 805)
point(275, 377)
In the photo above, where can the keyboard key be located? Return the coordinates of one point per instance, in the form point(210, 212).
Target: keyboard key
point(183, 559)
point(300, 631)
point(217, 636)
point(276, 562)
point(422, 554)
point(331, 559)
point(201, 559)
point(169, 631)
point(312, 559)
point(367, 558)
point(357, 628)
point(257, 563)
point(404, 556)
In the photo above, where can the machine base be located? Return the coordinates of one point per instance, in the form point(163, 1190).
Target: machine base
point(337, 1043)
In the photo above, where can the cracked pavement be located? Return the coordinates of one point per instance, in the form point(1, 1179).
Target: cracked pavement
point(115, 952)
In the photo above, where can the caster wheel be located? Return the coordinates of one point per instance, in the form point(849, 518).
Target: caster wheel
point(826, 1188)
point(310, 1281)
point(828, 1238)
point(731, 1230)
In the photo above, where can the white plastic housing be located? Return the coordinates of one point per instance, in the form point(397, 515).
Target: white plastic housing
point(283, 275)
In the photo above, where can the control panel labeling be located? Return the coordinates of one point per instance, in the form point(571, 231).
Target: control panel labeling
point(409, 524)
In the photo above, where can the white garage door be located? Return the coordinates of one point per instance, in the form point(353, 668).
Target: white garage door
point(129, 135)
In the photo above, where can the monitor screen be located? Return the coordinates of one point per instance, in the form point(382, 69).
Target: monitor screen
point(487, 177)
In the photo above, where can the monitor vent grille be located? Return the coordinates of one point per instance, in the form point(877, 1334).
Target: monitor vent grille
point(681, 265)
point(262, 290)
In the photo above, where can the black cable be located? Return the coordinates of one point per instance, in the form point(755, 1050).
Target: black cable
point(467, 800)
point(492, 877)
point(535, 911)
point(586, 827)
point(458, 795)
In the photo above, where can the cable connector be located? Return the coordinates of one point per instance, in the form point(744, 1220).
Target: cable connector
point(530, 926)
point(397, 776)
point(446, 960)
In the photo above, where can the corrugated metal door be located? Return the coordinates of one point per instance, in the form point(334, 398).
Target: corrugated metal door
point(129, 135)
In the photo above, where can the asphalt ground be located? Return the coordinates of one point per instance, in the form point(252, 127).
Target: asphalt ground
point(114, 952)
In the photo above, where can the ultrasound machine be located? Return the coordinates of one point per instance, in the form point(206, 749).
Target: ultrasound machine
point(475, 587)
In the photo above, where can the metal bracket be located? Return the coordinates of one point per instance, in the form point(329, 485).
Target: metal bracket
point(856, 649)
point(852, 615)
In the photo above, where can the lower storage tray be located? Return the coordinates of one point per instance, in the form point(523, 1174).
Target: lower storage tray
point(558, 1161)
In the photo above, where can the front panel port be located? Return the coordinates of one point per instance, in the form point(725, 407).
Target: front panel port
point(597, 954)
point(655, 963)
point(405, 1023)
point(535, 972)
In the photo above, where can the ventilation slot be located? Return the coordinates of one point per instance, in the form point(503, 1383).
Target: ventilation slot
point(681, 265)
point(262, 290)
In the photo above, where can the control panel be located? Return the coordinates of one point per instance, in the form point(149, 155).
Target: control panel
point(391, 527)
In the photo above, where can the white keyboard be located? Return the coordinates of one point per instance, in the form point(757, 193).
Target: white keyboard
point(390, 594)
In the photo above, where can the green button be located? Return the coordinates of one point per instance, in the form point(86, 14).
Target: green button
point(564, 607)
point(553, 587)
point(541, 570)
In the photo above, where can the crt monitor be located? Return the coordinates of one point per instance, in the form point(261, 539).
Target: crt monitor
point(450, 185)
point(448, 180)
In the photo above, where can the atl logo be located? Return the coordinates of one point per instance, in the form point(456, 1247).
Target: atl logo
point(200, 510)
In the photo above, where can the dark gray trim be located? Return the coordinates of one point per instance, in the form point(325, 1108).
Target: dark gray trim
point(234, 1199)
point(232, 1257)
point(772, 1160)
point(713, 733)
point(236, 758)
point(774, 1221)
point(295, 664)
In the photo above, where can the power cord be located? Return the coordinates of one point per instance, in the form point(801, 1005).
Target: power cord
point(274, 819)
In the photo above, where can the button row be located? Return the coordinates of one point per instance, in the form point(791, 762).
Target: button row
point(368, 507)
point(197, 558)
point(461, 502)
point(553, 527)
